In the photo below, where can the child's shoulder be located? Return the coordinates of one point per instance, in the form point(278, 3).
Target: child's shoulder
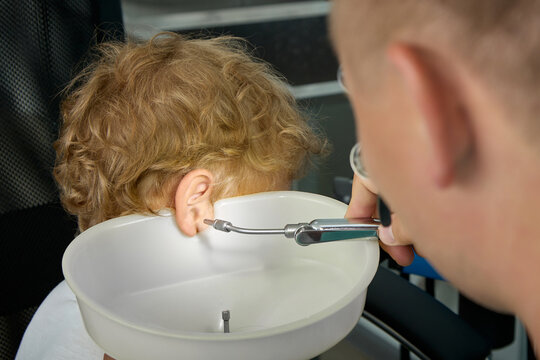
point(57, 331)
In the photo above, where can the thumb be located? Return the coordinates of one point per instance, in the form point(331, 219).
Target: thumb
point(395, 241)
point(394, 234)
point(402, 254)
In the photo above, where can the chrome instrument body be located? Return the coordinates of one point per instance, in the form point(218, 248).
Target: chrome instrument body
point(316, 232)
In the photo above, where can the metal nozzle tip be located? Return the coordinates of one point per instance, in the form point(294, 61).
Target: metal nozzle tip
point(220, 225)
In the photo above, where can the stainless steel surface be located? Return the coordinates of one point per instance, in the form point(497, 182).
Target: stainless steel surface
point(315, 232)
point(345, 224)
point(226, 226)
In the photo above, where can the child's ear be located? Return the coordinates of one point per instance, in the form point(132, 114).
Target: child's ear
point(192, 201)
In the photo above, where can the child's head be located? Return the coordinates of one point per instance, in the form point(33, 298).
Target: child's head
point(174, 120)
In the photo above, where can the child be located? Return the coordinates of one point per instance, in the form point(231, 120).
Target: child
point(171, 123)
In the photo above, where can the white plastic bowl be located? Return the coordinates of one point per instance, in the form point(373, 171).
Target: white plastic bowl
point(146, 291)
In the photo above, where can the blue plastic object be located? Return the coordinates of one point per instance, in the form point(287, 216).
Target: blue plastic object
point(422, 267)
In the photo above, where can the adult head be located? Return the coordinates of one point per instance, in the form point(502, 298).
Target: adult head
point(445, 99)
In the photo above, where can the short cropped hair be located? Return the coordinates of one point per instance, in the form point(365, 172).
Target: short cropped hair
point(144, 114)
point(498, 40)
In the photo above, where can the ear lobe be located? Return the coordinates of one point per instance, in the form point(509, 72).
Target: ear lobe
point(442, 113)
point(193, 201)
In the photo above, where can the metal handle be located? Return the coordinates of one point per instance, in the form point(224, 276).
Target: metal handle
point(328, 230)
point(315, 232)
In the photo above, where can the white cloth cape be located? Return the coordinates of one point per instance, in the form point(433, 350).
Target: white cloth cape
point(56, 332)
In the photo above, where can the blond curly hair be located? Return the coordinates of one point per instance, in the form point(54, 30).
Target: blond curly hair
point(142, 115)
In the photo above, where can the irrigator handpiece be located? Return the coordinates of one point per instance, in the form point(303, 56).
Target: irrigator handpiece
point(315, 232)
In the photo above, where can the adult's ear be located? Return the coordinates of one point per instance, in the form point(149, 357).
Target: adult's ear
point(192, 201)
point(444, 116)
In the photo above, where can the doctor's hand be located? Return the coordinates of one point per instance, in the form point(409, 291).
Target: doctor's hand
point(392, 239)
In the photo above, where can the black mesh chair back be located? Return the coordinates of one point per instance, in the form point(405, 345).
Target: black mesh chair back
point(42, 45)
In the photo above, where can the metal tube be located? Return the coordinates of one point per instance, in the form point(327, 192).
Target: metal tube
point(317, 231)
point(226, 316)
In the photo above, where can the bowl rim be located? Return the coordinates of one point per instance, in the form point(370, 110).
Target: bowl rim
point(359, 288)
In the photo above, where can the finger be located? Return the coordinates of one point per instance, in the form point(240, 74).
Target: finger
point(394, 234)
point(395, 241)
point(363, 204)
point(401, 236)
point(402, 254)
point(363, 201)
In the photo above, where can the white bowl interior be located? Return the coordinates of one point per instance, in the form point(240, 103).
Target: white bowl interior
point(144, 273)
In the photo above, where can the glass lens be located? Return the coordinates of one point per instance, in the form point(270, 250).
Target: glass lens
point(341, 80)
point(355, 161)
